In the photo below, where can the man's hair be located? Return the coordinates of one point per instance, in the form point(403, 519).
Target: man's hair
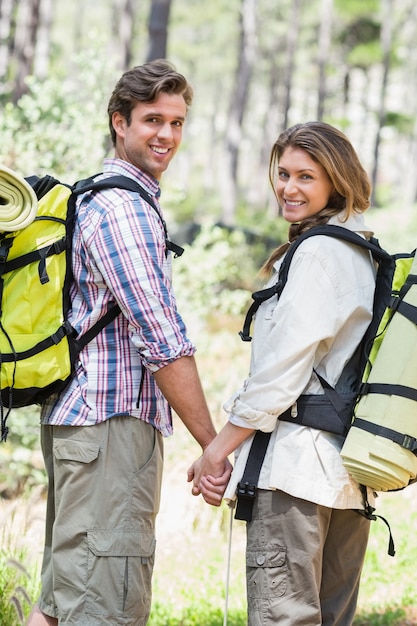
point(144, 83)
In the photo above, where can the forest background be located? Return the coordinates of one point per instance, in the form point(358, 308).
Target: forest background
point(257, 66)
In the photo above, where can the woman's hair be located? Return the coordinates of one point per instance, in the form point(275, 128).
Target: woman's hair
point(329, 147)
point(145, 83)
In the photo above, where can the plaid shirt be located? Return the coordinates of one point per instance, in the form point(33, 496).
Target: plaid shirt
point(119, 255)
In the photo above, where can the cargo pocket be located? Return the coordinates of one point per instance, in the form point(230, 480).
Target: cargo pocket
point(120, 565)
point(74, 450)
point(266, 571)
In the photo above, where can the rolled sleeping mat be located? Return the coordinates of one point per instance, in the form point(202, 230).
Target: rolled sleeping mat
point(378, 461)
point(18, 202)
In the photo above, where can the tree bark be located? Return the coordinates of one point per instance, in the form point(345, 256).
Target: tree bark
point(25, 43)
point(158, 30)
point(43, 40)
point(123, 30)
point(323, 53)
point(292, 39)
point(386, 43)
point(239, 100)
point(7, 10)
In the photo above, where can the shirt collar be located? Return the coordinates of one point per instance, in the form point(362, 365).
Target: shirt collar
point(123, 168)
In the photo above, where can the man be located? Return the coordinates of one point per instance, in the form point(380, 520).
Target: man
point(102, 437)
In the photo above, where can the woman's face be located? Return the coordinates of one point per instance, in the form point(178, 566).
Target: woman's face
point(303, 187)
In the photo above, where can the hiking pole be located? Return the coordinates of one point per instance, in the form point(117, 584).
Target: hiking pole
point(229, 552)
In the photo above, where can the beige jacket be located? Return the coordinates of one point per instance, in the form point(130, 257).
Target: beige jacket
point(317, 323)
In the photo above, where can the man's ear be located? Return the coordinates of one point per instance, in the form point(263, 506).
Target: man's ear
point(119, 123)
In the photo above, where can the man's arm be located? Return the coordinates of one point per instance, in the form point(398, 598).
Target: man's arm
point(180, 383)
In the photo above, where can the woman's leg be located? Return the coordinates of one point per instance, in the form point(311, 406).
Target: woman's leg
point(343, 557)
point(37, 618)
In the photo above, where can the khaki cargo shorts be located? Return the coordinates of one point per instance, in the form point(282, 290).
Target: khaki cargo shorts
point(103, 498)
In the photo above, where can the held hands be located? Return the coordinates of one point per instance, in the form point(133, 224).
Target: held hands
point(209, 477)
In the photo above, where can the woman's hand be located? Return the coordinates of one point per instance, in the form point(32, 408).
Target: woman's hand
point(209, 478)
point(211, 472)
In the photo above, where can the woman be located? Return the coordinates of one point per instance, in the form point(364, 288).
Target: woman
point(306, 541)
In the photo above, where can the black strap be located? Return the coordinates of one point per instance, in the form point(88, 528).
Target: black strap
point(258, 297)
point(121, 182)
point(368, 511)
point(247, 487)
point(385, 260)
point(405, 441)
point(108, 317)
point(63, 331)
point(388, 389)
point(124, 182)
point(36, 255)
point(407, 310)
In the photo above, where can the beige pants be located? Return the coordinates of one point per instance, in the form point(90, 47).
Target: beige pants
point(104, 491)
point(303, 562)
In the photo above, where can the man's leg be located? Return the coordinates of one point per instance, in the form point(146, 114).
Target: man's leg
point(107, 486)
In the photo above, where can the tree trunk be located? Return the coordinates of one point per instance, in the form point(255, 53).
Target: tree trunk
point(323, 52)
point(25, 43)
point(158, 29)
point(123, 30)
point(7, 10)
point(386, 42)
point(43, 40)
point(292, 38)
point(239, 99)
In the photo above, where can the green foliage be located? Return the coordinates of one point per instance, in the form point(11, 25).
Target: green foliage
point(403, 123)
point(21, 465)
point(202, 612)
point(364, 55)
point(390, 617)
point(216, 273)
point(18, 590)
point(59, 127)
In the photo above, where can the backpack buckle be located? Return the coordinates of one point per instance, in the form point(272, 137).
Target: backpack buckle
point(246, 490)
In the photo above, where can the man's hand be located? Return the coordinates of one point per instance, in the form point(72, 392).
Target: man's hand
point(211, 486)
point(211, 472)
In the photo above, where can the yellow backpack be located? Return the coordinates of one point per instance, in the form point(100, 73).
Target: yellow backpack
point(38, 346)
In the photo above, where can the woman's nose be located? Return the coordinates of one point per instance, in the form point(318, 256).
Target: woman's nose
point(290, 186)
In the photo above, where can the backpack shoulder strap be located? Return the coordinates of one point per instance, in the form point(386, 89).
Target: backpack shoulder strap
point(386, 265)
point(124, 182)
point(118, 182)
point(339, 232)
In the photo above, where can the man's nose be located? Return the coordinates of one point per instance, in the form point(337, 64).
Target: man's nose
point(165, 131)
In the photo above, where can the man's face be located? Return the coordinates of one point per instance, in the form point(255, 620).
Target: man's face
point(154, 134)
